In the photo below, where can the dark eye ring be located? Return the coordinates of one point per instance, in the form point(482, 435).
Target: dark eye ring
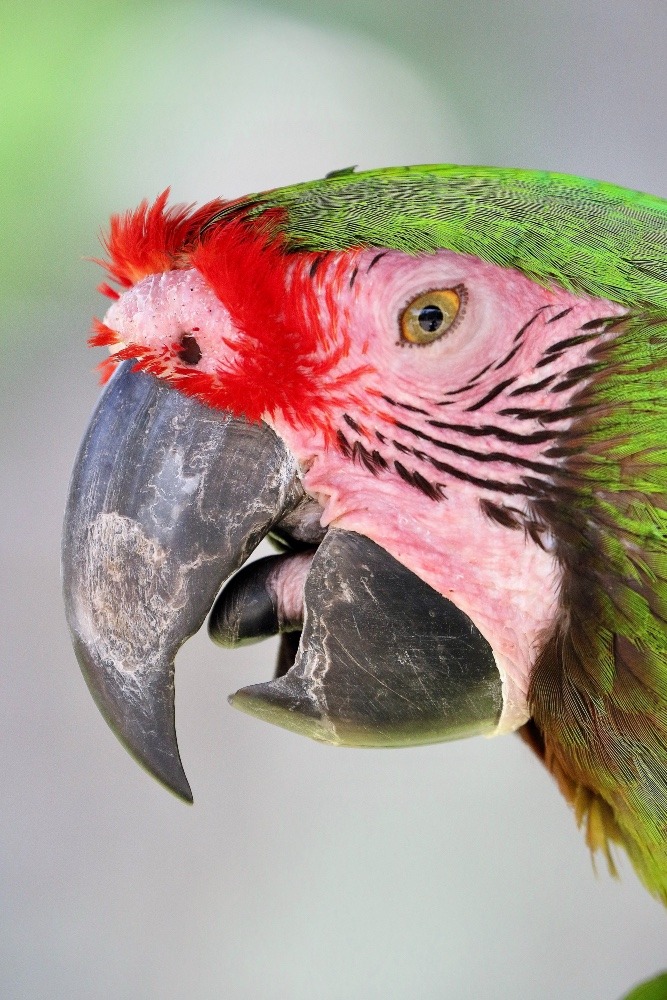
point(190, 351)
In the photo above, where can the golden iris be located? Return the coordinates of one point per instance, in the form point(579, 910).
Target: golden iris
point(430, 315)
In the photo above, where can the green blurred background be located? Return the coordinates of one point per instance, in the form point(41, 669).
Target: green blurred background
point(301, 871)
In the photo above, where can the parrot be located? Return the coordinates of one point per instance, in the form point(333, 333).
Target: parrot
point(440, 391)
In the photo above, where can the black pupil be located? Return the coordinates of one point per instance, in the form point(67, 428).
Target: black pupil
point(430, 318)
point(190, 351)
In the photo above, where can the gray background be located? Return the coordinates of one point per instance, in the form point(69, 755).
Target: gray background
point(301, 871)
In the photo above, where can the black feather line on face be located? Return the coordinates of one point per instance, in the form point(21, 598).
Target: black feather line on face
point(608, 322)
point(534, 387)
point(530, 322)
point(504, 516)
point(488, 456)
point(488, 430)
point(475, 378)
point(575, 376)
point(497, 389)
point(434, 491)
point(549, 359)
point(564, 345)
point(457, 392)
point(344, 445)
point(508, 357)
point(560, 315)
point(373, 461)
point(314, 266)
point(545, 416)
point(406, 406)
point(544, 475)
point(472, 382)
point(493, 485)
point(377, 257)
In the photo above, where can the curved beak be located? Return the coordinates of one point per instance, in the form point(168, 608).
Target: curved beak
point(167, 499)
point(384, 660)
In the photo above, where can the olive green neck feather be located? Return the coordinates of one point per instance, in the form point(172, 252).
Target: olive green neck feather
point(599, 688)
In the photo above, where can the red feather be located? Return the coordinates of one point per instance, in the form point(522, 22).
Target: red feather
point(153, 238)
point(285, 305)
point(103, 336)
point(106, 369)
point(288, 353)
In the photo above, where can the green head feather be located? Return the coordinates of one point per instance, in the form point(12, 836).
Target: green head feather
point(584, 235)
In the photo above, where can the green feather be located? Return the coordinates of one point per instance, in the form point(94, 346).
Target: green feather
point(584, 235)
point(599, 688)
point(656, 989)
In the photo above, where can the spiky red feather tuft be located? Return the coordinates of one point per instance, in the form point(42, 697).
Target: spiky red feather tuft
point(105, 289)
point(106, 368)
point(284, 305)
point(152, 238)
point(103, 335)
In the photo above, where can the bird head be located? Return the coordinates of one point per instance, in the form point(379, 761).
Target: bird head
point(436, 387)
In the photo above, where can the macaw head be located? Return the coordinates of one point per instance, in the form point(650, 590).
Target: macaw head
point(440, 390)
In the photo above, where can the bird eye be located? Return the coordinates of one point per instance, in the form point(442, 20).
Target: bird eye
point(190, 351)
point(430, 315)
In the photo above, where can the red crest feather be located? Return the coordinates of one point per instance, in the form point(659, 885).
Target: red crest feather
point(283, 303)
point(152, 238)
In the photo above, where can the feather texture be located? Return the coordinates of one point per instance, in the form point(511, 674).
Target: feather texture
point(582, 234)
point(599, 688)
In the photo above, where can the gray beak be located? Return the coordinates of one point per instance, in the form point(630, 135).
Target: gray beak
point(384, 660)
point(168, 498)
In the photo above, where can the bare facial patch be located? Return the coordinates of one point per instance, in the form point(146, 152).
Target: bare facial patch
point(176, 315)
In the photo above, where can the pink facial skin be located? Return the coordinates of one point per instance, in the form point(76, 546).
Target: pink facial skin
point(285, 583)
point(432, 414)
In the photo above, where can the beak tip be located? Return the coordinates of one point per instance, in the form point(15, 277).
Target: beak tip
point(145, 722)
point(180, 786)
point(163, 762)
point(172, 777)
point(159, 756)
point(283, 704)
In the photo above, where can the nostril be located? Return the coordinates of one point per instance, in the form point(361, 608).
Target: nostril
point(190, 351)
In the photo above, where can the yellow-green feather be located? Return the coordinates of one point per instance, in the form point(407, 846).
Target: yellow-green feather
point(583, 234)
point(599, 689)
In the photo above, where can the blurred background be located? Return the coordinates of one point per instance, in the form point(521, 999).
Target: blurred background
point(301, 871)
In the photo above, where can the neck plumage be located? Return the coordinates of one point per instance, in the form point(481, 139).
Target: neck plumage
point(598, 694)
